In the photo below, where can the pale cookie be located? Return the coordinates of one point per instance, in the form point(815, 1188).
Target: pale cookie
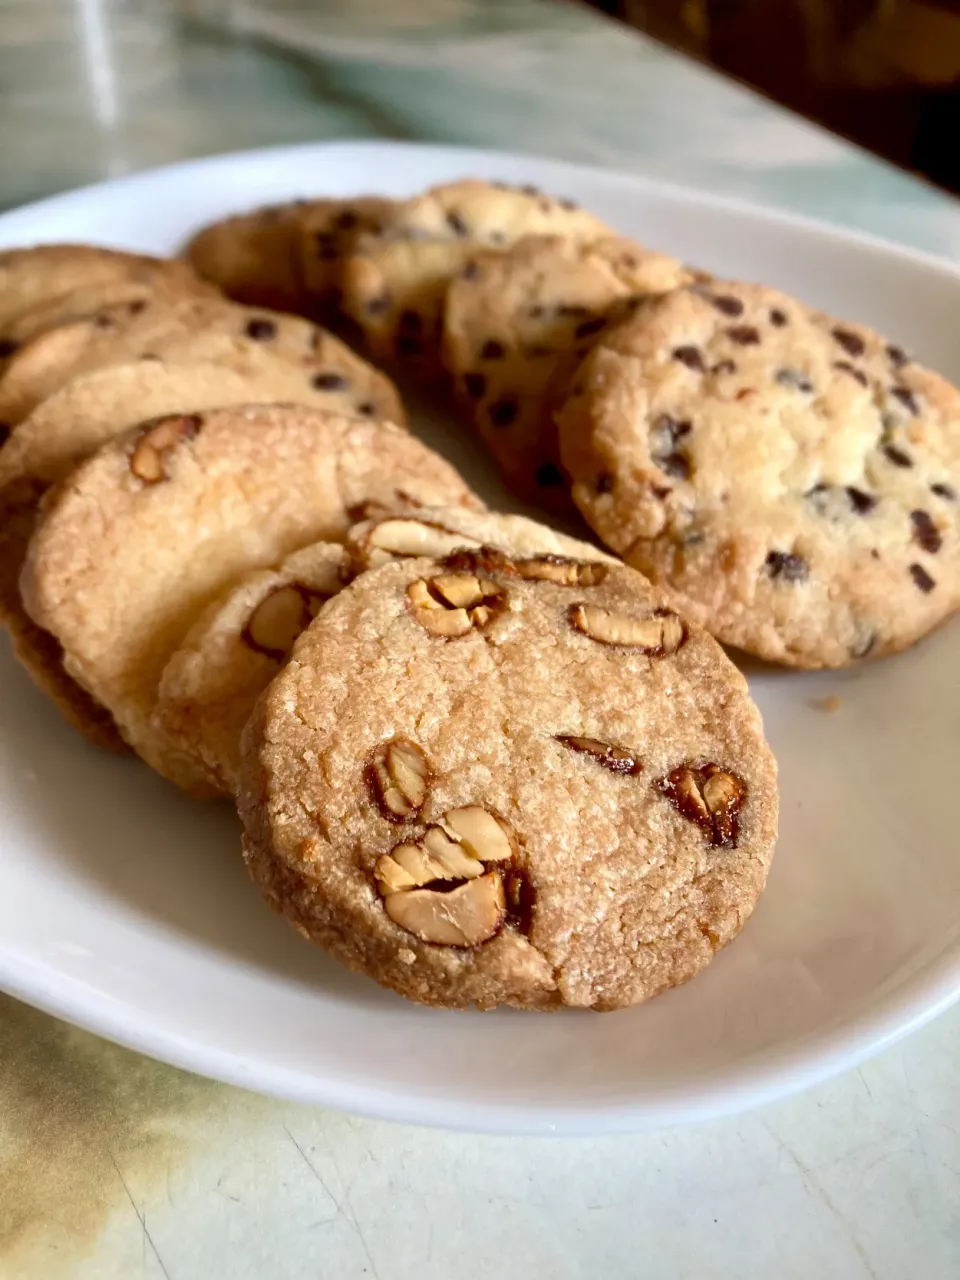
point(255, 257)
point(142, 536)
point(480, 785)
point(38, 276)
point(791, 479)
point(516, 325)
point(232, 652)
point(204, 329)
point(394, 284)
point(93, 408)
point(439, 531)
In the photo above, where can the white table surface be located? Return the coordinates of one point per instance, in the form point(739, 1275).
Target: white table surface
point(113, 1167)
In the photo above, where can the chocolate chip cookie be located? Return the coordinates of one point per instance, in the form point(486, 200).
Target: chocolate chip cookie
point(232, 652)
point(90, 410)
point(480, 784)
point(329, 229)
point(202, 329)
point(517, 323)
point(394, 283)
point(792, 479)
point(131, 548)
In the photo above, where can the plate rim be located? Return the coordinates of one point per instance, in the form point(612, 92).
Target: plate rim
point(919, 999)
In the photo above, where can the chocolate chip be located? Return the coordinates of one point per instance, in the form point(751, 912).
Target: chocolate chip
point(925, 532)
point(787, 565)
point(367, 409)
point(470, 271)
point(793, 378)
point(670, 430)
point(661, 491)
point(346, 221)
point(492, 350)
point(330, 382)
point(861, 502)
point(572, 309)
point(378, 305)
point(729, 305)
point(724, 366)
point(587, 327)
point(475, 385)
point(536, 311)
point(898, 357)
point(104, 321)
point(603, 483)
point(550, 476)
point(674, 464)
point(326, 246)
point(503, 412)
point(629, 261)
point(497, 237)
point(545, 205)
point(457, 224)
point(922, 578)
point(7, 347)
point(846, 367)
point(852, 343)
point(897, 456)
point(566, 203)
point(744, 334)
point(906, 398)
point(778, 318)
point(408, 344)
point(944, 491)
point(134, 308)
point(261, 330)
point(691, 357)
point(410, 321)
point(5, 430)
point(529, 190)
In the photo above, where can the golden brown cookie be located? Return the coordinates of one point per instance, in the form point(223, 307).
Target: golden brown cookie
point(480, 784)
point(329, 229)
point(395, 282)
point(793, 480)
point(134, 545)
point(90, 410)
point(255, 257)
point(201, 329)
point(516, 325)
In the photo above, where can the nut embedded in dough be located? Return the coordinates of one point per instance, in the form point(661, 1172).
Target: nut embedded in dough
point(659, 635)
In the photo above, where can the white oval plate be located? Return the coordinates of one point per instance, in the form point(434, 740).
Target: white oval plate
point(125, 908)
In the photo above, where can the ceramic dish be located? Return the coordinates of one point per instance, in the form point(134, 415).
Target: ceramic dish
point(125, 907)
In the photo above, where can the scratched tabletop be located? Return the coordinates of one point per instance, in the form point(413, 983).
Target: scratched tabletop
point(113, 1166)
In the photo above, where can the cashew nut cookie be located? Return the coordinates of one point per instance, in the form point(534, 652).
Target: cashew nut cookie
point(40, 276)
point(517, 324)
point(792, 480)
point(439, 531)
point(190, 331)
point(72, 424)
point(134, 545)
point(480, 784)
point(395, 282)
point(232, 652)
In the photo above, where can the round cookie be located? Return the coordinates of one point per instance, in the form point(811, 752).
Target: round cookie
point(85, 413)
point(793, 480)
point(235, 648)
point(394, 284)
point(204, 329)
point(481, 786)
point(209, 686)
point(517, 323)
point(132, 547)
point(255, 257)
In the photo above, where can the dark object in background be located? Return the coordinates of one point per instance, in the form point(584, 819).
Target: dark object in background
point(885, 73)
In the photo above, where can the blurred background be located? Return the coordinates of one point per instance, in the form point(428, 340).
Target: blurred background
point(885, 73)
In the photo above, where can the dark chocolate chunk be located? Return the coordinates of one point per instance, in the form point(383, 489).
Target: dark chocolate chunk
point(925, 533)
point(674, 464)
point(846, 367)
point(410, 321)
point(330, 382)
point(408, 344)
point(470, 271)
point(566, 203)
point(603, 483)
point(852, 343)
point(923, 580)
point(944, 491)
point(261, 330)
point(7, 347)
point(492, 350)
point(906, 398)
point(475, 385)
point(729, 305)
point(503, 412)
point(587, 327)
point(862, 503)
point(778, 318)
point(367, 409)
point(549, 476)
point(744, 334)
point(898, 357)
point(897, 456)
point(457, 224)
point(691, 357)
point(787, 566)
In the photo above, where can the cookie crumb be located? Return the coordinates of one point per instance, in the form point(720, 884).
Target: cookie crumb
point(830, 703)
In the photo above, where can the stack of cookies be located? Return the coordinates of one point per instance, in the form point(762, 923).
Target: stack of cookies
point(477, 759)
